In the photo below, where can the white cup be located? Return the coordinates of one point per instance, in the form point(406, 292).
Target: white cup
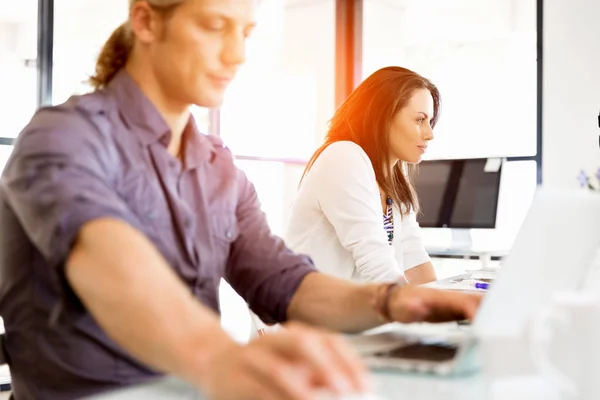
point(565, 345)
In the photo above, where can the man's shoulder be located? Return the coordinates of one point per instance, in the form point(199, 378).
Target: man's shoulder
point(80, 117)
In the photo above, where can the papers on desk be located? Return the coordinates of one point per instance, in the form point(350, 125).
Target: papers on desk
point(465, 282)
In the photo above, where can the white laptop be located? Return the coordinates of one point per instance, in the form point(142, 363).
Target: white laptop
point(556, 249)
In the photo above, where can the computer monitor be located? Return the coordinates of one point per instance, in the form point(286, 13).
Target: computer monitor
point(460, 193)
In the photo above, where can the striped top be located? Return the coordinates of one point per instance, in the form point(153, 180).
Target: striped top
point(388, 221)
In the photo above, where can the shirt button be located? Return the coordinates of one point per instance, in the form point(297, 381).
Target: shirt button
point(228, 234)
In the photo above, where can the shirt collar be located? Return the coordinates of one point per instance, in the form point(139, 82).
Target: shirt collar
point(137, 110)
point(197, 148)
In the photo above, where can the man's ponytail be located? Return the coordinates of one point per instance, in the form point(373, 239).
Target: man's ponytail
point(113, 56)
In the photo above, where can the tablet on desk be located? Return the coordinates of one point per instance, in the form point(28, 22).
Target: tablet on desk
point(445, 352)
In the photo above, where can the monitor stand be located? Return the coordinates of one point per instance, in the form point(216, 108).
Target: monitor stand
point(461, 240)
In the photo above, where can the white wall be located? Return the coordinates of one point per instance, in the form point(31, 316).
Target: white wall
point(571, 91)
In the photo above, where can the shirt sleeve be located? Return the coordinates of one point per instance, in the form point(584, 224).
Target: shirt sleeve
point(413, 245)
point(344, 184)
point(260, 266)
point(58, 178)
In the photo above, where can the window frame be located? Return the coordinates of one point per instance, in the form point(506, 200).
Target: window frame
point(348, 69)
point(348, 74)
point(43, 63)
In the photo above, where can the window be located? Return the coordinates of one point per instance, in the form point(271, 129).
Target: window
point(202, 117)
point(482, 57)
point(81, 27)
point(18, 74)
point(280, 102)
point(5, 151)
point(276, 111)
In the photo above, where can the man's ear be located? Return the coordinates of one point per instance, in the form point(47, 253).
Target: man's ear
point(145, 22)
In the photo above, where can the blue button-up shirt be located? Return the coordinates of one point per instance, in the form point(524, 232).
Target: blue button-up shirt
point(105, 155)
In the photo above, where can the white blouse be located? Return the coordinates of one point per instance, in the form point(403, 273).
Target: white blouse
point(337, 220)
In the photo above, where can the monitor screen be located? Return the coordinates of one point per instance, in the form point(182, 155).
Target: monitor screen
point(458, 193)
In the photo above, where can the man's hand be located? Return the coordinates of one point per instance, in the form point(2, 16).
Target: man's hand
point(420, 304)
point(296, 364)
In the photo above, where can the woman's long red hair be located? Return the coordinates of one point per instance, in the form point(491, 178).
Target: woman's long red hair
point(365, 118)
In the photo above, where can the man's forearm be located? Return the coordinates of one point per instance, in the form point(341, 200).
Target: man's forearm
point(139, 301)
point(335, 304)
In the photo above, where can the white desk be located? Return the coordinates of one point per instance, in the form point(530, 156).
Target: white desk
point(391, 385)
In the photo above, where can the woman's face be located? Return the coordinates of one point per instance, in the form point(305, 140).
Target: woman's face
point(411, 131)
point(197, 51)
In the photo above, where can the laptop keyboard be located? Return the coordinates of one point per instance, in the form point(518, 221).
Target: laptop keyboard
point(423, 351)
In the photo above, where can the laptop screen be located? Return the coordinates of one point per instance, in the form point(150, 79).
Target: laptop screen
point(554, 251)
